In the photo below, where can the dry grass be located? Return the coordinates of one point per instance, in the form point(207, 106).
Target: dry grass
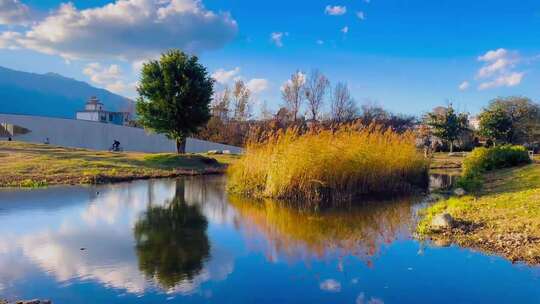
point(36, 165)
point(329, 166)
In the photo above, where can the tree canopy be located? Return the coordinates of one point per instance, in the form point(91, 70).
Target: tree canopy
point(174, 96)
point(512, 119)
point(447, 124)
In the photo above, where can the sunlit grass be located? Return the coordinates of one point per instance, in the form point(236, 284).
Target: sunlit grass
point(329, 166)
point(37, 165)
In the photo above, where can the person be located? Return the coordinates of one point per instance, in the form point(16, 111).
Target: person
point(9, 138)
point(47, 141)
point(116, 145)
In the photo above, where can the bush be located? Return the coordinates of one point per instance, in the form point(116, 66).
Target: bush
point(483, 159)
point(329, 166)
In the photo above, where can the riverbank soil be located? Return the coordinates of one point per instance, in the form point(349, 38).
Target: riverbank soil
point(503, 218)
point(35, 165)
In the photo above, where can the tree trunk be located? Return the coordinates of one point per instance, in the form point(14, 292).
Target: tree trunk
point(181, 145)
point(451, 146)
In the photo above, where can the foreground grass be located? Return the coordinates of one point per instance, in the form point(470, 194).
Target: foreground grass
point(37, 165)
point(503, 218)
point(324, 166)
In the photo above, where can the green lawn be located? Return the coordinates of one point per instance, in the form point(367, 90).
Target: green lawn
point(504, 218)
point(34, 165)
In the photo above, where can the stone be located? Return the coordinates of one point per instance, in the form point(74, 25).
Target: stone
point(442, 222)
point(227, 152)
point(459, 192)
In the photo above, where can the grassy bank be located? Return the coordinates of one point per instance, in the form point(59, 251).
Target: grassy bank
point(503, 218)
point(326, 166)
point(35, 165)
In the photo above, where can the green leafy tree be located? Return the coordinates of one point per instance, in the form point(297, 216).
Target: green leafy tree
point(447, 125)
point(521, 118)
point(174, 96)
point(495, 124)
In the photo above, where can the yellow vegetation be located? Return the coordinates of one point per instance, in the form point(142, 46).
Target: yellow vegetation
point(329, 165)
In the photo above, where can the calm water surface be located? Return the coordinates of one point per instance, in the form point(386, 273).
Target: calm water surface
point(186, 241)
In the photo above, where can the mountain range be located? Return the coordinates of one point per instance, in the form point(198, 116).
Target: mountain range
point(51, 95)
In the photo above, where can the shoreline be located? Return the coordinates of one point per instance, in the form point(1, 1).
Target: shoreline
point(501, 219)
point(25, 165)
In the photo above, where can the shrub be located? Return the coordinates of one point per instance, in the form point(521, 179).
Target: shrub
point(329, 166)
point(483, 159)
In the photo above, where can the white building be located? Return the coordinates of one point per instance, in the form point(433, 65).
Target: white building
point(95, 111)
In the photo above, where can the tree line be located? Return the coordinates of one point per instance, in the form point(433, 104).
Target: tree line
point(505, 120)
point(177, 98)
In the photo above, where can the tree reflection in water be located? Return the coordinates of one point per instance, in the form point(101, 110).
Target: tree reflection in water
point(300, 234)
point(171, 241)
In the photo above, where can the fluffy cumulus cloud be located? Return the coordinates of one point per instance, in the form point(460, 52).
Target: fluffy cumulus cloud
point(499, 69)
point(227, 77)
point(14, 12)
point(506, 80)
point(125, 29)
point(345, 30)
point(335, 10)
point(110, 77)
point(361, 15)
point(257, 85)
point(223, 76)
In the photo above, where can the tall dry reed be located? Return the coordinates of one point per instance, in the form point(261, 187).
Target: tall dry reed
point(329, 165)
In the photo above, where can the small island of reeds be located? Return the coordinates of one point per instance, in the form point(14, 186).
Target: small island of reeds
point(329, 166)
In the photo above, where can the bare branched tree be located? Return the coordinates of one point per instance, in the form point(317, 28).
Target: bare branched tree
point(343, 107)
point(315, 91)
point(293, 93)
point(241, 98)
point(221, 104)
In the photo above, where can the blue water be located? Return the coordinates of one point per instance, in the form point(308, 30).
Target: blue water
point(186, 241)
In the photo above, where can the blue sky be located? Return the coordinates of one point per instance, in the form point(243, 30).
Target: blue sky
point(407, 56)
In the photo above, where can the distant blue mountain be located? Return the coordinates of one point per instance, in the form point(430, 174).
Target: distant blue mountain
point(50, 95)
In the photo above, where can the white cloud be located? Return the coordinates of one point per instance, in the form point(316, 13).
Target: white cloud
point(301, 80)
point(361, 15)
point(320, 42)
point(14, 12)
point(227, 77)
point(464, 86)
point(345, 30)
point(223, 76)
point(499, 69)
point(257, 85)
point(127, 29)
point(277, 38)
point(330, 285)
point(508, 80)
point(335, 10)
point(108, 77)
point(493, 55)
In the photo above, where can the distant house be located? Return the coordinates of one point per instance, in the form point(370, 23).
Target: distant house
point(94, 111)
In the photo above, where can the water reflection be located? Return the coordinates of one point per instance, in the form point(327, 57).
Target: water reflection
point(186, 241)
point(294, 233)
point(171, 240)
point(138, 237)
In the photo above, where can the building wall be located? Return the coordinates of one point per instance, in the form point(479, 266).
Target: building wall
point(100, 136)
point(93, 116)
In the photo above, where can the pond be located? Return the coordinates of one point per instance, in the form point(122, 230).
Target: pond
point(186, 241)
